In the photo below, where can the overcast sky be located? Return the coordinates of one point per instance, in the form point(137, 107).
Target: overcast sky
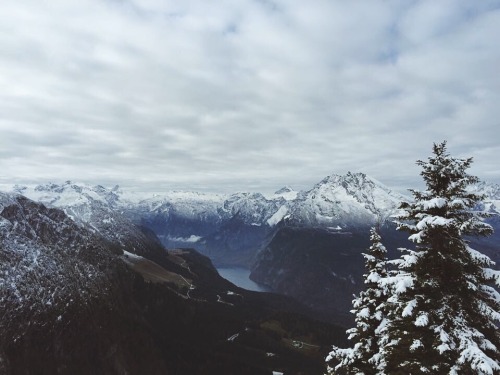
point(245, 94)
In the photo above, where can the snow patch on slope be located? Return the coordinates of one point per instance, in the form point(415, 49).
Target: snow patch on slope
point(278, 216)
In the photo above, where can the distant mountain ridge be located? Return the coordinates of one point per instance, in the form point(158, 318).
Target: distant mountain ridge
point(231, 228)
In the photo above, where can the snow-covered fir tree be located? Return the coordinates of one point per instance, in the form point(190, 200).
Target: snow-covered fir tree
point(443, 308)
point(368, 310)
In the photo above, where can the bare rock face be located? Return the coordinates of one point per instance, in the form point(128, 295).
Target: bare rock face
point(46, 260)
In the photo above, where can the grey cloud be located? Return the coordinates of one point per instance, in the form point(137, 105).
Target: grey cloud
point(249, 94)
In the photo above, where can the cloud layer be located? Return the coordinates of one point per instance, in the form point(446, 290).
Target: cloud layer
point(247, 94)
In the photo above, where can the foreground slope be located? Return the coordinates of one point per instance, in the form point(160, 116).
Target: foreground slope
point(74, 302)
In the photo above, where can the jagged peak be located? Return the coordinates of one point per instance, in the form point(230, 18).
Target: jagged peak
point(287, 193)
point(246, 195)
point(69, 186)
point(351, 179)
point(352, 197)
point(284, 189)
point(491, 191)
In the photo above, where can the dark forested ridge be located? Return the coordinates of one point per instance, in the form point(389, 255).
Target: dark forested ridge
point(74, 304)
point(322, 268)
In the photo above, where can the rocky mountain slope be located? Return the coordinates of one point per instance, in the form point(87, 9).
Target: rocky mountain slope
point(46, 260)
point(75, 302)
point(346, 201)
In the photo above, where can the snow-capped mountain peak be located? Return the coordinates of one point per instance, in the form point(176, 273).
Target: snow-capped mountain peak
point(178, 218)
point(286, 193)
point(350, 199)
point(69, 194)
point(491, 193)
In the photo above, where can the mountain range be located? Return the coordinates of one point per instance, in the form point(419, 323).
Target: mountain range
point(205, 221)
point(304, 244)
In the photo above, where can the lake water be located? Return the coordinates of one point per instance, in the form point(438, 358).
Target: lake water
point(241, 277)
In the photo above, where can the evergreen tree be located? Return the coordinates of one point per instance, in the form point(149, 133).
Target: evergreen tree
point(443, 308)
point(368, 311)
